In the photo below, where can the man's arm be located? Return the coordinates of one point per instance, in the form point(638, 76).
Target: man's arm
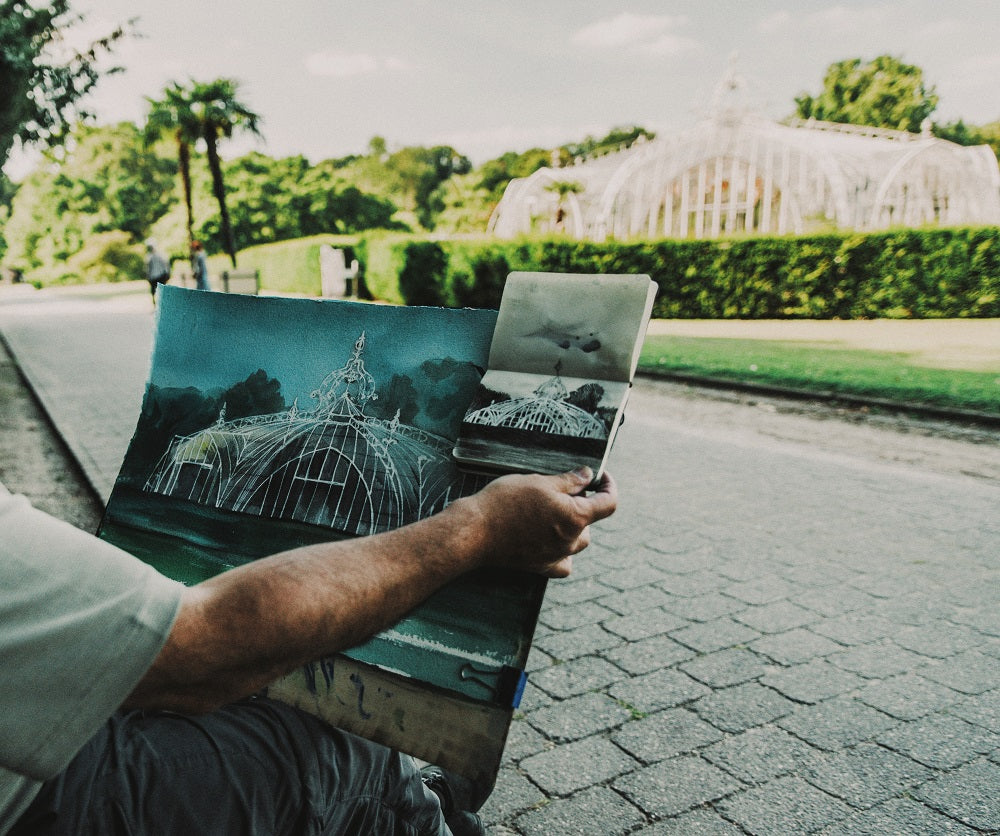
point(241, 630)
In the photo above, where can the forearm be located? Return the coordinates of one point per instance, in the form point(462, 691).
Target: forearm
point(242, 629)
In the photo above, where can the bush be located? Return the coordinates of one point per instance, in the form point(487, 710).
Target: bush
point(896, 274)
point(105, 257)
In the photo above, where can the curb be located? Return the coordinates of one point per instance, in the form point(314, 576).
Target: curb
point(915, 408)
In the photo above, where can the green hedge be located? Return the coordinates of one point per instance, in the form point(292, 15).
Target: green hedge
point(899, 274)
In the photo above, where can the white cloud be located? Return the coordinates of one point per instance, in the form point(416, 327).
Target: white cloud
point(648, 33)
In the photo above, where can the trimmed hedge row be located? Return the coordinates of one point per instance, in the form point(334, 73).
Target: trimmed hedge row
point(906, 273)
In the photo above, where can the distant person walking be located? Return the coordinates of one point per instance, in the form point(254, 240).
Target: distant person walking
point(199, 264)
point(157, 267)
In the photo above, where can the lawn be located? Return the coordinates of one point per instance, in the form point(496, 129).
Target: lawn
point(909, 376)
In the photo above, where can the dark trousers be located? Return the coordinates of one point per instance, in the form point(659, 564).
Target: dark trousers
point(256, 767)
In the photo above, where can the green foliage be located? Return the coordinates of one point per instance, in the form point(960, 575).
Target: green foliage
point(931, 273)
point(422, 279)
point(963, 134)
point(105, 183)
point(40, 97)
point(884, 93)
point(107, 257)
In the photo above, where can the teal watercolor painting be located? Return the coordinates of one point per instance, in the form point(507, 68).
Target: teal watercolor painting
point(269, 423)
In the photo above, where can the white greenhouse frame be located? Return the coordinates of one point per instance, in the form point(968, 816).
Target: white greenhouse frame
point(740, 174)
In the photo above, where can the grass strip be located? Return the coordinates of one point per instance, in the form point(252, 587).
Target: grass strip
point(824, 367)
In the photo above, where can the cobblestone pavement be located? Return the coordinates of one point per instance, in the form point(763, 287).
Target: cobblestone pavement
point(791, 626)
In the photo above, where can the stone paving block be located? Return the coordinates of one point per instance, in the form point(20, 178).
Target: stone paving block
point(599, 809)
point(878, 660)
point(637, 600)
point(761, 590)
point(795, 646)
point(776, 617)
point(575, 591)
point(812, 682)
point(566, 769)
point(695, 584)
point(726, 667)
point(940, 639)
point(982, 709)
point(534, 698)
point(715, 635)
point(648, 655)
point(696, 823)
point(898, 816)
point(523, 740)
point(742, 707)
point(579, 717)
point(643, 625)
point(665, 734)
point(538, 659)
point(659, 689)
point(678, 564)
point(576, 615)
point(855, 628)
point(785, 805)
point(512, 794)
point(632, 576)
point(971, 672)
point(571, 644)
point(673, 786)
point(588, 673)
point(757, 755)
point(983, 619)
point(707, 607)
point(864, 775)
point(969, 794)
point(940, 741)
point(837, 723)
point(835, 600)
point(907, 697)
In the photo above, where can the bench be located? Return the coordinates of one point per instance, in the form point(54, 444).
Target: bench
point(241, 281)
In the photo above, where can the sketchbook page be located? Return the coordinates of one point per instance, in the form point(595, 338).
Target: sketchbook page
point(270, 423)
point(576, 325)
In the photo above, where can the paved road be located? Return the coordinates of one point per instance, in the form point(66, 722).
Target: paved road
point(792, 625)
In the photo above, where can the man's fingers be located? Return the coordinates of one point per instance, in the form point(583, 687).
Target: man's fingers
point(604, 500)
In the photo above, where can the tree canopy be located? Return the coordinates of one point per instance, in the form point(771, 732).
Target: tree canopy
point(883, 93)
point(40, 95)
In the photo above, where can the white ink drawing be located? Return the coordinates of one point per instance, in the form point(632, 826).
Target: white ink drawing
point(331, 465)
point(548, 409)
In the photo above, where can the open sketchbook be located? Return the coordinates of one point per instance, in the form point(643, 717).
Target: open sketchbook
point(270, 423)
point(562, 359)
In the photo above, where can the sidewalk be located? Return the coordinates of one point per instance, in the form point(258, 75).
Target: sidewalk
point(773, 635)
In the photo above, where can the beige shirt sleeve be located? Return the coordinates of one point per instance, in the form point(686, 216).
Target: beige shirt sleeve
point(80, 623)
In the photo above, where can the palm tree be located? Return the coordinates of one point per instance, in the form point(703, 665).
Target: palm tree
point(172, 115)
point(219, 114)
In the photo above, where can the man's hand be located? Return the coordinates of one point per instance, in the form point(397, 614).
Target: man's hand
point(538, 523)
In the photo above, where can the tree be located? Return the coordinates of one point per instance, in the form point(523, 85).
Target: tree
point(884, 93)
point(172, 115)
point(40, 96)
point(220, 114)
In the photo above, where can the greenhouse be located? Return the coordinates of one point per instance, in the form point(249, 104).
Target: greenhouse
point(736, 173)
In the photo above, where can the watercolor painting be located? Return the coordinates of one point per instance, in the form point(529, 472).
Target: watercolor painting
point(270, 423)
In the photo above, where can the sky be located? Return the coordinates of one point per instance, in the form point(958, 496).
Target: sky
point(326, 75)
